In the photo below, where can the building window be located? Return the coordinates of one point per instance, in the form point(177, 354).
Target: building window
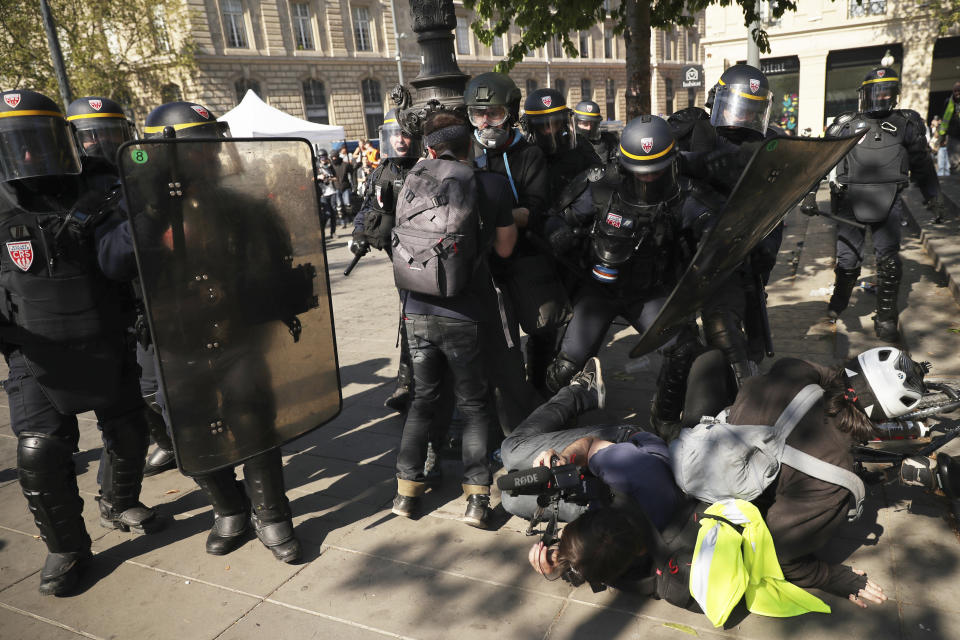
point(361, 29)
point(668, 92)
point(243, 85)
point(161, 38)
point(531, 85)
point(861, 8)
point(315, 101)
point(556, 48)
point(372, 105)
point(586, 91)
point(170, 93)
point(233, 24)
point(693, 46)
point(463, 36)
point(668, 46)
point(561, 85)
point(497, 47)
point(302, 29)
point(609, 44)
point(584, 44)
point(691, 97)
point(611, 99)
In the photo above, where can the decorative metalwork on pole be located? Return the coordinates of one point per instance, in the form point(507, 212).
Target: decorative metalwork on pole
point(440, 83)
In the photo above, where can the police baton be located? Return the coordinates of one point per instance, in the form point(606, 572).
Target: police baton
point(858, 225)
point(354, 262)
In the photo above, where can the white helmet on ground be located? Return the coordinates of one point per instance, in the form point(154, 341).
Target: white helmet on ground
point(886, 382)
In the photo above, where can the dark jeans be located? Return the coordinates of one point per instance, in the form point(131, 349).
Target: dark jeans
point(594, 312)
point(328, 208)
point(886, 236)
point(441, 347)
point(547, 428)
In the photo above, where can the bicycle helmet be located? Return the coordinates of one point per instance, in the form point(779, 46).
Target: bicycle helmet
point(885, 382)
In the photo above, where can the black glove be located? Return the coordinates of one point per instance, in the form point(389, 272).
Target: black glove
point(359, 246)
point(559, 235)
point(809, 205)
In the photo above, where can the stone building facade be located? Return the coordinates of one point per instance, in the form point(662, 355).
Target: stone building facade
point(820, 53)
point(335, 61)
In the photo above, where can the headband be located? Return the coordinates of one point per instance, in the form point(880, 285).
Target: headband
point(454, 132)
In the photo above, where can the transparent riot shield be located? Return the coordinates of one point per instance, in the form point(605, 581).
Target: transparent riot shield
point(779, 174)
point(234, 277)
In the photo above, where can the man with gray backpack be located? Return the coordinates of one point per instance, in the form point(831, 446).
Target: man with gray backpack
point(448, 218)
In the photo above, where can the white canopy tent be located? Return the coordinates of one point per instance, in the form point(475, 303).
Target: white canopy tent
point(254, 118)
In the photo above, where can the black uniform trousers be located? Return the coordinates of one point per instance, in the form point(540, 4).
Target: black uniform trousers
point(886, 236)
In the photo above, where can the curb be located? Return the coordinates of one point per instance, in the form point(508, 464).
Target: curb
point(939, 240)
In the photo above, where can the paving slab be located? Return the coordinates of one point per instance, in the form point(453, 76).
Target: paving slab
point(267, 617)
point(31, 627)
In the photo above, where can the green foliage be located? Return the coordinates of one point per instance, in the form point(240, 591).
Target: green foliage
point(116, 48)
point(542, 20)
point(947, 15)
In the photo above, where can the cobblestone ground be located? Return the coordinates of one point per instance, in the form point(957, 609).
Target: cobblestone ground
point(368, 574)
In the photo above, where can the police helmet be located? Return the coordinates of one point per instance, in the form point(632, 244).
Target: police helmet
point(879, 91)
point(99, 126)
point(586, 115)
point(323, 153)
point(183, 120)
point(35, 138)
point(548, 121)
point(397, 143)
point(648, 161)
point(742, 99)
point(885, 382)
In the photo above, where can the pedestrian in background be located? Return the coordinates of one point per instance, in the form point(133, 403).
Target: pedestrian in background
point(937, 146)
point(950, 127)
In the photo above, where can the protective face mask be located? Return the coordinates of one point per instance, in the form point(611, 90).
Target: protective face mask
point(492, 137)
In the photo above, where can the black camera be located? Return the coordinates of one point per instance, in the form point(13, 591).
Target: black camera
point(567, 482)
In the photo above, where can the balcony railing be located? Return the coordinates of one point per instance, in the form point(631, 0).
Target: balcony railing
point(864, 8)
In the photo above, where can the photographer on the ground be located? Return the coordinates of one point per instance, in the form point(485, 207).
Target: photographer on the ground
point(633, 463)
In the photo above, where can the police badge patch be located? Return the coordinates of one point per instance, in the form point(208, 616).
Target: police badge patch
point(378, 190)
point(12, 100)
point(203, 112)
point(547, 101)
point(881, 73)
point(646, 144)
point(95, 104)
point(614, 220)
point(21, 253)
point(754, 85)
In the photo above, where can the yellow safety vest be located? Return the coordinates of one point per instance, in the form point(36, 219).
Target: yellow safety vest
point(729, 564)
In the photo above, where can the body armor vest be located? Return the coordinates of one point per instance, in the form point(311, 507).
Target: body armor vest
point(380, 216)
point(877, 168)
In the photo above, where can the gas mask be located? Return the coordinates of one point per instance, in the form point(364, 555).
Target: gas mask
point(615, 235)
point(493, 137)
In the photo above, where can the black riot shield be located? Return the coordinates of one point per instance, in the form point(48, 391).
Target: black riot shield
point(779, 174)
point(232, 265)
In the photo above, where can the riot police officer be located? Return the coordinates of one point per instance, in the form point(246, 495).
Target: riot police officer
point(869, 181)
point(740, 112)
point(64, 337)
point(631, 260)
point(100, 127)
point(234, 382)
point(375, 220)
point(587, 118)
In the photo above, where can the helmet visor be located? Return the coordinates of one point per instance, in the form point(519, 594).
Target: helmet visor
point(553, 132)
point(878, 96)
point(394, 143)
point(646, 189)
point(491, 116)
point(33, 146)
point(589, 127)
point(740, 105)
point(103, 139)
point(613, 237)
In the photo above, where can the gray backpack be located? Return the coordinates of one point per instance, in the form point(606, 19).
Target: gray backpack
point(715, 460)
point(437, 234)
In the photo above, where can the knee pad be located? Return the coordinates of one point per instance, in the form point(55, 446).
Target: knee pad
point(560, 372)
point(890, 268)
point(40, 452)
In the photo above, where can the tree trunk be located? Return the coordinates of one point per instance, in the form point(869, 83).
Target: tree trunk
point(637, 37)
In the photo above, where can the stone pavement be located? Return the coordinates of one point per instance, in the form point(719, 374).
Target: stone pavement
point(367, 574)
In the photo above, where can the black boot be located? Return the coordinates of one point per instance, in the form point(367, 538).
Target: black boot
point(400, 399)
point(722, 331)
point(845, 280)
point(121, 470)
point(667, 404)
point(231, 511)
point(162, 458)
point(560, 373)
point(49, 483)
point(889, 273)
point(271, 517)
point(540, 350)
